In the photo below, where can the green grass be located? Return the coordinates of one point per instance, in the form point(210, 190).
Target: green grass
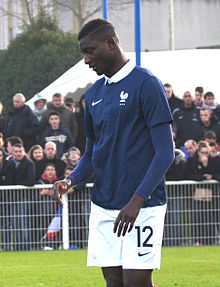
point(181, 267)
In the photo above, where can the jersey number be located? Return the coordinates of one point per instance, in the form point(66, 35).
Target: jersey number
point(145, 243)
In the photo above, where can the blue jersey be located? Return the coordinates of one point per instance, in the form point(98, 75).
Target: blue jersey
point(118, 118)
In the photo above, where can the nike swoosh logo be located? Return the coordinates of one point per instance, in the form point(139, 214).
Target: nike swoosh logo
point(142, 254)
point(95, 103)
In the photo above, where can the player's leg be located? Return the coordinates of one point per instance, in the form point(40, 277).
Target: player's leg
point(137, 277)
point(141, 252)
point(113, 276)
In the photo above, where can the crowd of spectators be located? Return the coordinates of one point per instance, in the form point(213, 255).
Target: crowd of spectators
point(41, 145)
point(38, 147)
point(196, 132)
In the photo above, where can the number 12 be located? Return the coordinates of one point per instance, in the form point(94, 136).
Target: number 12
point(145, 243)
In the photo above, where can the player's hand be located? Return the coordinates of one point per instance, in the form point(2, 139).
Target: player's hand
point(59, 188)
point(127, 216)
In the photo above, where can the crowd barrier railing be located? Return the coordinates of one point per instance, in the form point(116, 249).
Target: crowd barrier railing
point(31, 221)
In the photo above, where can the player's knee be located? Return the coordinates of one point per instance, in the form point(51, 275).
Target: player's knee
point(113, 277)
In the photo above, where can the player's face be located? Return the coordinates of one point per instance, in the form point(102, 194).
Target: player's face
point(37, 154)
point(97, 54)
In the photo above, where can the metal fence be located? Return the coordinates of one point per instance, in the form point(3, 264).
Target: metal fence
point(30, 221)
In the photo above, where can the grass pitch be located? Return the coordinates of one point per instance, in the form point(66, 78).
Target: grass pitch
point(181, 267)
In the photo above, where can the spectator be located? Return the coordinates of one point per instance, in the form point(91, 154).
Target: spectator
point(3, 124)
point(72, 157)
point(67, 118)
point(176, 169)
point(214, 152)
point(39, 106)
point(209, 102)
point(21, 171)
point(81, 139)
point(186, 121)
point(10, 143)
point(2, 143)
point(174, 101)
point(58, 134)
point(48, 177)
point(207, 123)
point(70, 104)
point(36, 153)
point(50, 151)
point(22, 122)
point(3, 166)
point(175, 203)
point(203, 167)
point(190, 147)
point(199, 93)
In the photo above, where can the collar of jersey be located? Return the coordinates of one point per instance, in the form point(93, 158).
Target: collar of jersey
point(121, 74)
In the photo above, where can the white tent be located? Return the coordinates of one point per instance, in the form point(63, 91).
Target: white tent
point(183, 69)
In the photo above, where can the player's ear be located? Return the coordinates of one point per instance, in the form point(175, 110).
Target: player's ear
point(111, 43)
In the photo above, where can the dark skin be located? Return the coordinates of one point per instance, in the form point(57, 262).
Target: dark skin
point(106, 57)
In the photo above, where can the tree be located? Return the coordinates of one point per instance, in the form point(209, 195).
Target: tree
point(36, 58)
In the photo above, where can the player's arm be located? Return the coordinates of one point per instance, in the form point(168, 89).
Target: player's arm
point(163, 146)
point(82, 171)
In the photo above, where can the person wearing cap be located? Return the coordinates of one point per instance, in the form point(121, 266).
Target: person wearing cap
point(39, 106)
point(70, 104)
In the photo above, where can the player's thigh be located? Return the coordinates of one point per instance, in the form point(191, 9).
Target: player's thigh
point(113, 276)
point(137, 277)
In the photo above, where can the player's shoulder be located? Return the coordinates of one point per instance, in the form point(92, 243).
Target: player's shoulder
point(146, 77)
point(94, 88)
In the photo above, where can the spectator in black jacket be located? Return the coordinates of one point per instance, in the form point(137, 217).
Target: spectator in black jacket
point(174, 102)
point(21, 171)
point(57, 133)
point(22, 122)
point(50, 151)
point(186, 121)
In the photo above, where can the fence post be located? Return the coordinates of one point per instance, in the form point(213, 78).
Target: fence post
point(65, 222)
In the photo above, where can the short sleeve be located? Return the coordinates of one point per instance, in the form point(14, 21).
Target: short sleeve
point(154, 103)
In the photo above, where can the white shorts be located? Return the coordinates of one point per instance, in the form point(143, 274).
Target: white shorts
point(139, 249)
